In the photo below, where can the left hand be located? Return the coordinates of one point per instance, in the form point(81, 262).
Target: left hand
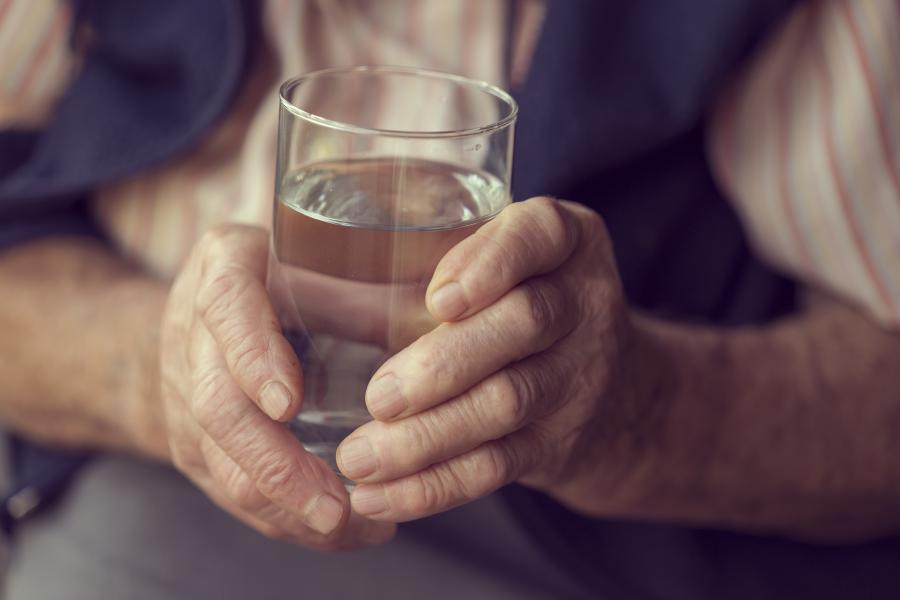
point(531, 376)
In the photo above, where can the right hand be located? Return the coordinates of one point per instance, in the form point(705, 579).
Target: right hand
point(228, 378)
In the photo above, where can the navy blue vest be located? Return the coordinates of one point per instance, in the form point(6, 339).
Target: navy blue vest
point(611, 116)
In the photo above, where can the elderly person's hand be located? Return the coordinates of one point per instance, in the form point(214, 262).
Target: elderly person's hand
point(525, 380)
point(228, 378)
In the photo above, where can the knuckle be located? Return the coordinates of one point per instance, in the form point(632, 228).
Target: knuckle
point(503, 257)
point(428, 365)
point(216, 240)
point(548, 218)
point(511, 397)
point(273, 476)
point(594, 228)
point(417, 438)
point(465, 479)
point(541, 313)
point(421, 361)
point(424, 495)
point(209, 398)
point(496, 467)
point(538, 308)
point(233, 483)
point(453, 418)
point(483, 471)
point(219, 291)
point(241, 490)
point(548, 211)
point(247, 355)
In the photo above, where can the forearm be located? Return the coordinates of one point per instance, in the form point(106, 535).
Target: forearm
point(79, 344)
point(790, 428)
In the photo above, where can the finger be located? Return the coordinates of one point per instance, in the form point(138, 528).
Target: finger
point(501, 404)
point(358, 311)
point(265, 450)
point(526, 239)
point(235, 485)
point(274, 523)
point(211, 488)
point(191, 451)
point(191, 460)
point(227, 485)
point(446, 485)
point(233, 304)
point(249, 504)
point(452, 358)
point(363, 532)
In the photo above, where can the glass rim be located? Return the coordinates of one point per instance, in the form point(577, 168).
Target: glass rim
point(476, 84)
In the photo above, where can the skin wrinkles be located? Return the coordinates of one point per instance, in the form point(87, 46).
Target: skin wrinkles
point(546, 377)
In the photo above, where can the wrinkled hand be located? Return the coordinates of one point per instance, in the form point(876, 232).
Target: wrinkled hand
point(533, 344)
point(228, 377)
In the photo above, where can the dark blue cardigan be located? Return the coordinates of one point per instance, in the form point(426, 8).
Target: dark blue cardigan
point(611, 116)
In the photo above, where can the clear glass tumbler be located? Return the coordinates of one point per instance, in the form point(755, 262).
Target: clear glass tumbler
point(380, 171)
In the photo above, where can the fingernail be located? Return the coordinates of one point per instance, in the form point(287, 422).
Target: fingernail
point(323, 513)
point(275, 399)
point(356, 458)
point(384, 399)
point(369, 500)
point(448, 301)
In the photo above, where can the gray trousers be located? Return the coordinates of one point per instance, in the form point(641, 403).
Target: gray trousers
point(132, 530)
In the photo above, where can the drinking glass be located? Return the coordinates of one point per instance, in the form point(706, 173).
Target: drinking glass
point(380, 171)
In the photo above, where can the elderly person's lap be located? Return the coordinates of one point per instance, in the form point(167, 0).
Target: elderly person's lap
point(129, 529)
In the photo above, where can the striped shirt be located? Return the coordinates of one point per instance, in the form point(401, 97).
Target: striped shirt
point(35, 62)
point(806, 143)
point(803, 140)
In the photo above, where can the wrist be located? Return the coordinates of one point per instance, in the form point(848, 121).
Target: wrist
point(142, 419)
point(624, 455)
point(687, 465)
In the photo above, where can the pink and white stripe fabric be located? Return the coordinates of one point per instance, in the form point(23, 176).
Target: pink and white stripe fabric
point(35, 62)
point(805, 141)
point(807, 144)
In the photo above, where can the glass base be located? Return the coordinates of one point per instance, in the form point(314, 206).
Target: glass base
point(322, 432)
